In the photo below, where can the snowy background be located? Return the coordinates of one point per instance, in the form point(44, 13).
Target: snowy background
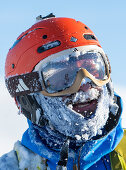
point(105, 18)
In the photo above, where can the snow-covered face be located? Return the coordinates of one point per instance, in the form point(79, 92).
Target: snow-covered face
point(81, 115)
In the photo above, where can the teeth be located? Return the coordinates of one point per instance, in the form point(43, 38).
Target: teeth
point(83, 105)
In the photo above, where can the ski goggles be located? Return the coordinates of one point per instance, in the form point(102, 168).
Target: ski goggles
point(63, 75)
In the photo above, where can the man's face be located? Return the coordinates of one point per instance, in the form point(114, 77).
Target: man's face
point(84, 113)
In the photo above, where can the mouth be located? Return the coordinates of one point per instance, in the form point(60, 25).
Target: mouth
point(84, 103)
point(86, 109)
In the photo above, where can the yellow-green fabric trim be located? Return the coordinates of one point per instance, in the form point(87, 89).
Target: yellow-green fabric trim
point(38, 168)
point(121, 148)
point(117, 162)
point(43, 162)
point(118, 156)
point(18, 155)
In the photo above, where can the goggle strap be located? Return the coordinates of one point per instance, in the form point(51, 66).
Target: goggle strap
point(31, 83)
point(24, 84)
point(29, 105)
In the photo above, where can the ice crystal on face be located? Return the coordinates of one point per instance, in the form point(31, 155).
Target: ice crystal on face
point(69, 122)
point(85, 96)
point(70, 106)
point(38, 114)
point(85, 136)
point(78, 137)
point(85, 81)
point(114, 108)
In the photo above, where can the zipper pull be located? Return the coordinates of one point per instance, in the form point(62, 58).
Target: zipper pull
point(62, 164)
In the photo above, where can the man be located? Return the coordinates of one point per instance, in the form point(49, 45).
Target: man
point(73, 125)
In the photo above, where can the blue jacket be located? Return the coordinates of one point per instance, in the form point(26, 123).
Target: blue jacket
point(93, 155)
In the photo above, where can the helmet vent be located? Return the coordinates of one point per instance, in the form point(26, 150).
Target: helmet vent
point(15, 43)
point(86, 27)
point(13, 66)
point(48, 46)
point(73, 39)
point(89, 37)
point(44, 36)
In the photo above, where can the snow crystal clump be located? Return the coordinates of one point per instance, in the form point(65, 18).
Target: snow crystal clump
point(28, 159)
point(38, 114)
point(113, 107)
point(69, 122)
point(85, 96)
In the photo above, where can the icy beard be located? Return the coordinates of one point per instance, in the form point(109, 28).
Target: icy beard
point(68, 122)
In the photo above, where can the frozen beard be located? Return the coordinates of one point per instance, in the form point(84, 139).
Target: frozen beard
point(70, 123)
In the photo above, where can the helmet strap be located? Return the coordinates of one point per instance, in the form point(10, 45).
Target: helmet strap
point(30, 108)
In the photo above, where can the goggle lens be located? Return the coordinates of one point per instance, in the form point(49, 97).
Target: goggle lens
point(60, 73)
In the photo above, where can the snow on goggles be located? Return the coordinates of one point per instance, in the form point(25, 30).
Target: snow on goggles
point(63, 75)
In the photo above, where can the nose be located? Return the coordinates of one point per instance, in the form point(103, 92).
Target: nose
point(85, 87)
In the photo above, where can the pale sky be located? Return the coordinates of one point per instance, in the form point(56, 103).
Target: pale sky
point(107, 19)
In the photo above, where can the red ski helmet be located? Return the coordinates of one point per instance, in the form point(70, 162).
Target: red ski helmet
point(46, 37)
point(24, 54)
